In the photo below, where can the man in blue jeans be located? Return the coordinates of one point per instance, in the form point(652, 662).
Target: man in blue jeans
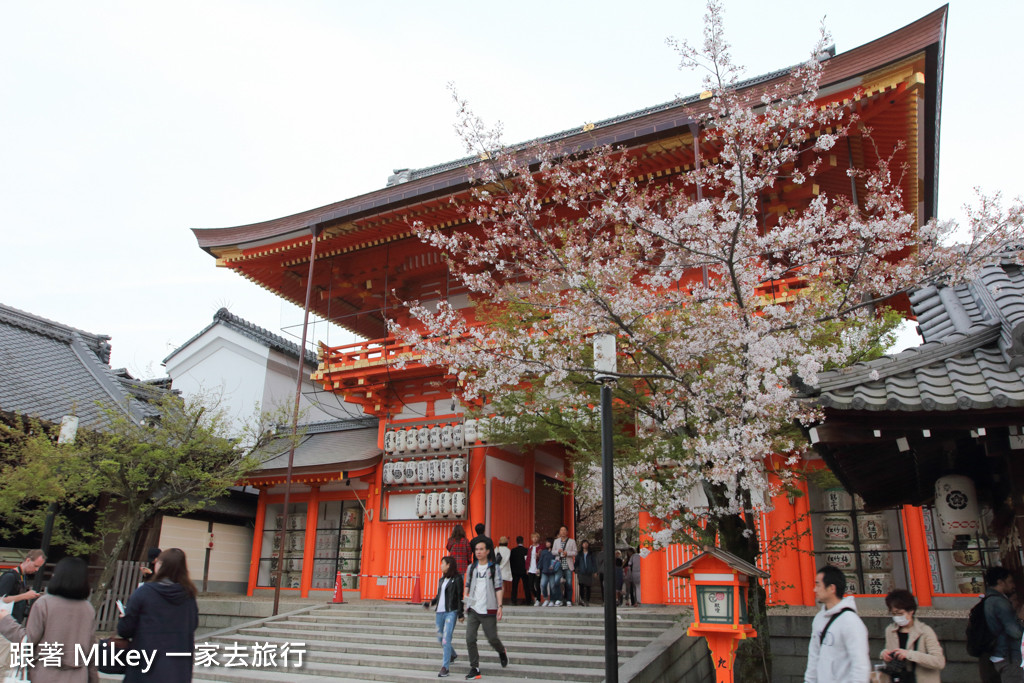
point(1003, 624)
point(564, 548)
point(482, 602)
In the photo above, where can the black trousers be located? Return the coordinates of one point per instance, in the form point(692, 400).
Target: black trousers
point(533, 581)
point(473, 623)
point(526, 589)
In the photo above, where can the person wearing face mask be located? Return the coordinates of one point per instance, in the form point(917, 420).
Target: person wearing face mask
point(912, 651)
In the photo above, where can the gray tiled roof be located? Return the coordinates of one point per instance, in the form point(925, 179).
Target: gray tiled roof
point(48, 370)
point(972, 358)
point(341, 444)
point(258, 334)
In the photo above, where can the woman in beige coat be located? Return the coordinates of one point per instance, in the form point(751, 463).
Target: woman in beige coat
point(63, 615)
point(908, 640)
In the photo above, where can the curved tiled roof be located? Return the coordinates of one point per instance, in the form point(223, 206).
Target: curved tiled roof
point(258, 334)
point(972, 358)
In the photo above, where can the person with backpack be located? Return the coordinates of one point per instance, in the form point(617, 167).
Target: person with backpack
point(1003, 625)
point(483, 607)
point(838, 652)
point(912, 650)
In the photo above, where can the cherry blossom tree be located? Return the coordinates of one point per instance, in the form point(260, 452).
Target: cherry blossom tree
point(720, 315)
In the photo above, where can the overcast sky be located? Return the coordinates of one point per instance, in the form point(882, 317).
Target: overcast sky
point(125, 124)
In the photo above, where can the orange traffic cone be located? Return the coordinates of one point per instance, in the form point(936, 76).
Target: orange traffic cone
point(339, 597)
point(417, 592)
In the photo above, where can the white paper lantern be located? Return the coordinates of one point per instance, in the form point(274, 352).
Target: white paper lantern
point(389, 479)
point(432, 470)
point(482, 427)
point(956, 504)
point(421, 504)
point(423, 472)
point(470, 432)
point(444, 469)
point(444, 503)
point(401, 441)
point(458, 436)
point(389, 441)
point(398, 472)
point(459, 504)
point(410, 472)
point(435, 438)
point(446, 436)
point(458, 469)
point(432, 504)
point(423, 438)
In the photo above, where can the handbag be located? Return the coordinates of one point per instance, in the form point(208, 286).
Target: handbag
point(106, 667)
point(18, 675)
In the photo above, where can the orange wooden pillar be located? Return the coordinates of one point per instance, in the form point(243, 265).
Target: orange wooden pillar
point(477, 489)
point(917, 555)
point(374, 555)
point(784, 558)
point(653, 572)
point(529, 482)
point(805, 544)
point(309, 542)
point(257, 542)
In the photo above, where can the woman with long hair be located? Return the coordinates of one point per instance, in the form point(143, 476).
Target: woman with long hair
point(62, 615)
point(449, 608)
point(458, 547)
point(161, 617)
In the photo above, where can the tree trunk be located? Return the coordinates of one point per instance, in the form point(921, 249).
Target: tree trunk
point(753, 657)
point(129, 528)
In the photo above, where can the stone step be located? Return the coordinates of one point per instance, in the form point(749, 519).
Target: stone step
point(427, 647)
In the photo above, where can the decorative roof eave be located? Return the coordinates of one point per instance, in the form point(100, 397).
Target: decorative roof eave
point(252, 331)
point(928, 33)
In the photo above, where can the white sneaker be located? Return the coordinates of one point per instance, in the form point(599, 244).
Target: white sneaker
point(536, 603)
point(558, 603)
point(547, 603)
point(568, 603)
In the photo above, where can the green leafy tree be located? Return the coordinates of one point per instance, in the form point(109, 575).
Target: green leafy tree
point(125, 474)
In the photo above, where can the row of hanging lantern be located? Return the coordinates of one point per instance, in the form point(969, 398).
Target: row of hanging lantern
point(441, 504)
point(430, 471)
point(442, 437)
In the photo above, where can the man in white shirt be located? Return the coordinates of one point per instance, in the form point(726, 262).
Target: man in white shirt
point(564, 548)
point(483, 607)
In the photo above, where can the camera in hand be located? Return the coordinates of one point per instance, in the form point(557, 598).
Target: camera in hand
point(900, 671)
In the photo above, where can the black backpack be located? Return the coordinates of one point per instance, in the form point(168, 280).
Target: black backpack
point(980, 639)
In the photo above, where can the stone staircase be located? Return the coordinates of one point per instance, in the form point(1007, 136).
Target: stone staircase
point(385, 641)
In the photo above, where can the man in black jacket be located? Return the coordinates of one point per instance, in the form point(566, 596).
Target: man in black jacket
point(16, 594)
point(517, 563)
point(479, 528)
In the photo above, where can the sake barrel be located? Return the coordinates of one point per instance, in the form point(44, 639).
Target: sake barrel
point(968, 557)
point(852, 584)
point(841, 555)
point(836, 500)
point(877, 583)
point(838, 528)
point(970, 581)
point(872, 528)
point(351, 518)
point(956, 504)
point(876, 556)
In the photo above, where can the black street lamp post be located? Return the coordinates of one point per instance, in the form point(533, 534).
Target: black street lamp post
point(605, 368)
